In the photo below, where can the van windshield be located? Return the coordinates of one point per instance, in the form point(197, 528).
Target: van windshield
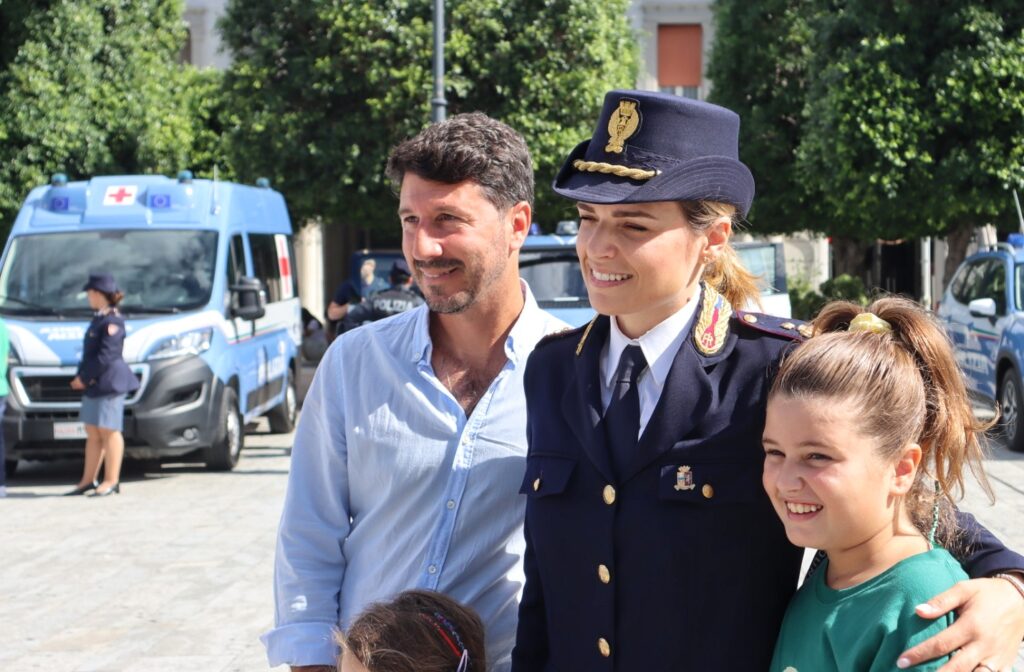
point(158, 271)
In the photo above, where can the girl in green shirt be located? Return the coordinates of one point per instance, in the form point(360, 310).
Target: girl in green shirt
point(869, 430)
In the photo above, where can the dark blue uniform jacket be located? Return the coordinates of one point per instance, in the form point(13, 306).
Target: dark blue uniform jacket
point(678, 563)
point(103, 369)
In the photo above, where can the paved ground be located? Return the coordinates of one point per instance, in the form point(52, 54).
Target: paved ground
point(175, 572)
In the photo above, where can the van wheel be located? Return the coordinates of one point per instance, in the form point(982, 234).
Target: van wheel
point(282, 416)
point(224, 453)
point(10, 466)
point(1011, 411)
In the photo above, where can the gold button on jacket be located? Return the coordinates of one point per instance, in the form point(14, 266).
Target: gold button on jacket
point(608, 494)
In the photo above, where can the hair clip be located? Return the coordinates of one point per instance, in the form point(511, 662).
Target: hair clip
point(463, 662)
point(869, 322)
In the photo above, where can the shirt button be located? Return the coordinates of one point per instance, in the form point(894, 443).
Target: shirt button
point(608, 494)
point(432, 569)
point(604, 574)
point(536, 484)
point(450, 504)
point(707, 491)
point(604, 647)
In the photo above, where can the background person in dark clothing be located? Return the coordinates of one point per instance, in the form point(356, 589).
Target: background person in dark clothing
point(105, 380)
point(348, 294)
point(398, 298)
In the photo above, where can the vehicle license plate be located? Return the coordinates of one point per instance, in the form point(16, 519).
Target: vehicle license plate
point(68, 430)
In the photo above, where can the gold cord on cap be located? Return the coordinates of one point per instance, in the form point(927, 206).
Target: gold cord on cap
point(613, 169)
point(870, 322)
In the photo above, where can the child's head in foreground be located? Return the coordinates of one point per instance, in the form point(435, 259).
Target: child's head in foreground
point(417, 631)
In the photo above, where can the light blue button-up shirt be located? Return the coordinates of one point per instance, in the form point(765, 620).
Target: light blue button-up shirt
point(392, 487)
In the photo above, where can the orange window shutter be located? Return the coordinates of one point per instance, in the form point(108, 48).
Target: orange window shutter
point(679, 55)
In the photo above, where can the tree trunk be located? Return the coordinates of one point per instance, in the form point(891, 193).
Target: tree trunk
point(850, 257)
point(956, 243)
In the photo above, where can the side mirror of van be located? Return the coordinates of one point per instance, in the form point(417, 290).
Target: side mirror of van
point(248, 299)
point(982, 308)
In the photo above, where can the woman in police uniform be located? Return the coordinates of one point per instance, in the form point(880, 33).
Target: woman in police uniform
point(104, 379)
point(651, 544)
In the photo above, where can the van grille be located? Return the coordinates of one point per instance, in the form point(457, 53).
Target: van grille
point(53, 389)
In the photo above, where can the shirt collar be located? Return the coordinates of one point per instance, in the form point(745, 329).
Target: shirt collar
point(659, 345)
point(529, 328)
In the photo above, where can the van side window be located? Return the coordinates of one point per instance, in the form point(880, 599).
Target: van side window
point(272, 264)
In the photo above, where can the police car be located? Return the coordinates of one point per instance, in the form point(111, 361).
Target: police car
point(550, 266)
point(982, 310)
point(212, 315)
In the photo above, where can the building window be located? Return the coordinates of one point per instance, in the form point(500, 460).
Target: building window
point(680, 62)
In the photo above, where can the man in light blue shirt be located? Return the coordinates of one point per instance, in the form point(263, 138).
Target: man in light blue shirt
point(410, 450)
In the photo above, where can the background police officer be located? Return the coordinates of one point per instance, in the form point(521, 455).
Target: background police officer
point(398, 298)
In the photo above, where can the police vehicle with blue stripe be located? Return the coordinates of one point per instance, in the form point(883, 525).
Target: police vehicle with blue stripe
point(211, 308)
point(982, 311)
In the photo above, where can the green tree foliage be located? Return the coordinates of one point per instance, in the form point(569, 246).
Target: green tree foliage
point(908, 119)
point(758, 68)
point(94, 87)
point(322, 90)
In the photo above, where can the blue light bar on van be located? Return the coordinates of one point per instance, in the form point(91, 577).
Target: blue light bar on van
point(1016, 239)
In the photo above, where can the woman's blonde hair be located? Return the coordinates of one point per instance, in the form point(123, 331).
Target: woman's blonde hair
point(908, 389)
point(726, 273)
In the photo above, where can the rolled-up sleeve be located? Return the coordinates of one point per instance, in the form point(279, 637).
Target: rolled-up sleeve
point(310, 564)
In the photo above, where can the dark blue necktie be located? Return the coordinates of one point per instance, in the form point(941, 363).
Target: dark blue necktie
point(622, 419)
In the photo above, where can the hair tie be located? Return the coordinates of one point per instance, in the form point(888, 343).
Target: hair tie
point(869, 322)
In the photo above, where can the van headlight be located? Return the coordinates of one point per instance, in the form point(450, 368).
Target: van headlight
point(189, 343)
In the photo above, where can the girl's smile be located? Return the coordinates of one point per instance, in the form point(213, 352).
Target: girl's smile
point(828, 482)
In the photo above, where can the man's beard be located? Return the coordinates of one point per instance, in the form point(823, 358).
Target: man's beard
point(476, 279)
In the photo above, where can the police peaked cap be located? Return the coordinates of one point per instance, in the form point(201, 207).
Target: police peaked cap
point(101, 282)
point(650, 146)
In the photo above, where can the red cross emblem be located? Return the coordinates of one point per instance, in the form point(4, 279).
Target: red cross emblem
point(120, 195)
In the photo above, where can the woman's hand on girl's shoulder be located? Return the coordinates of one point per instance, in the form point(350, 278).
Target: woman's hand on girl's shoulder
point(988, 629)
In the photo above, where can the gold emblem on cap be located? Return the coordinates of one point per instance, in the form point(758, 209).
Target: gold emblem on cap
point(622, 124)
point(750, 319)
point(788, 325)
point(806, 330)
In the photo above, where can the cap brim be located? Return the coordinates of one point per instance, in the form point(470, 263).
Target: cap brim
point(710, 178)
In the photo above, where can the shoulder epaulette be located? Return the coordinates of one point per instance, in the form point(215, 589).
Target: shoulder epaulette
point(785, 327)
point(559, 335)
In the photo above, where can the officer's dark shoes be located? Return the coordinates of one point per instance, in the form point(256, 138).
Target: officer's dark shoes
point(115, 489)
point(81, 489)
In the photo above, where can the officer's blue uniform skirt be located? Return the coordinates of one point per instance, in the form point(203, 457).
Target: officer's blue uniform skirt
point(106, 412)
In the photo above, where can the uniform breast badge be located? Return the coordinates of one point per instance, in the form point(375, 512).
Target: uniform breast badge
point(622, 123)
point(684, 478)
point(712, 323)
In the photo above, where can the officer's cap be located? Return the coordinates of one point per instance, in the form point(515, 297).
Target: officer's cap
point(651, 147)
point(102, 282)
